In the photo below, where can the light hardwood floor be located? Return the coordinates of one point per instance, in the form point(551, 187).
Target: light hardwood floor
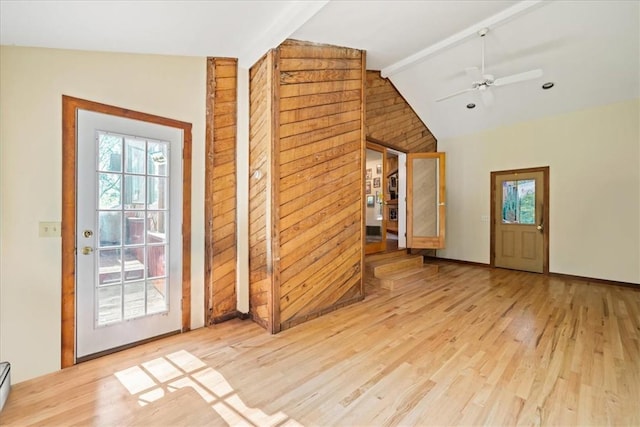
point(472, 346)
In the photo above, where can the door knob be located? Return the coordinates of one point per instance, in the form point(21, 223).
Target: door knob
point(86, 250)
point(540, 227)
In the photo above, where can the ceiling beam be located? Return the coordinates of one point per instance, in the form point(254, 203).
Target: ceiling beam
point(294, 16)
point(491, 22)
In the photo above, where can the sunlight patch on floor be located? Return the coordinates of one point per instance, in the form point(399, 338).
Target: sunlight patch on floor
point(152, 380)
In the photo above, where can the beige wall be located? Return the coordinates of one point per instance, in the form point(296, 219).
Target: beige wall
point(594, 160)
point(32, 82)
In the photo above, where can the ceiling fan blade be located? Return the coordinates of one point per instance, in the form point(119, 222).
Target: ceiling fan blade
point(487, 97)
point(520, 77)
point(455, 94)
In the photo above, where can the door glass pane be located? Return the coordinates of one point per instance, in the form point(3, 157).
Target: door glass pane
point(158, 156)
point(109, 267)
point(134, 300)
point(134, 228)
point(156, 263)
point(133, 225)
point(134, 156)
point(110, 228)
point(109, 190)
point(158, 193)
point(156, 295)
point(519, 202)
point(134, 263)
point(109, 153)
point(134, 192)
point(156, 227)
point(425, 207)
point(109, 304)
point(374, 196)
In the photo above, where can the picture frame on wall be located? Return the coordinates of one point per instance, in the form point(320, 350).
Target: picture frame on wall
point(393, 214)
point(370, 201)
point(369, 173)
point(376, 182)
point(367, 187)
point(379, 169)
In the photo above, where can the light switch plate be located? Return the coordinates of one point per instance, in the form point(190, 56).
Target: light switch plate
point(50, 229)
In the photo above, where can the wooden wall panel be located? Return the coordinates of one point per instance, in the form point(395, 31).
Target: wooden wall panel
point(260, 223)
point(306, 185)
point(220, 190)
point(390, 119)
point(321, 99)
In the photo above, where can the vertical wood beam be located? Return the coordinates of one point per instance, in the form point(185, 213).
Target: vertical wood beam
point(220, 190)
point(275, 193)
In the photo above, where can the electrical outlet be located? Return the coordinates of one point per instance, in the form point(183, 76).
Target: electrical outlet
point(50, 229)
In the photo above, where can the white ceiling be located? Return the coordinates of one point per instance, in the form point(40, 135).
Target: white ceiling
point(590, 49)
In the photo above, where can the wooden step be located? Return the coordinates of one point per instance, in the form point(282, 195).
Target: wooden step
point(390, 265)
point(397, 279)
point(385, 255)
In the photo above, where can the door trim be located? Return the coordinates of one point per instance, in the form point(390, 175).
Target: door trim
point(545, 213)
point(381, 246)
point(70, 105)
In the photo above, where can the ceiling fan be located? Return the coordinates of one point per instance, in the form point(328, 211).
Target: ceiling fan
point(483, 82)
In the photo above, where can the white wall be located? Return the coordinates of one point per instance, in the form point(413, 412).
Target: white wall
point(594, 160)
point(32, 82)
point(242, 195)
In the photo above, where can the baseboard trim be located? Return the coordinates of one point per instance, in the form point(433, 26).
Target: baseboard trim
point(631, 285)
point(635, 286)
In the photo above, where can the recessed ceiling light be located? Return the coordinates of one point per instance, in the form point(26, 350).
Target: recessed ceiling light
point(471, 105)
point(547, 85)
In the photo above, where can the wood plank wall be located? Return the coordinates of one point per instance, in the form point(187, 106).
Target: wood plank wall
point(220, 190)
point(307, 113)
point(320, 179)
point(260, 180)
point(391, 121)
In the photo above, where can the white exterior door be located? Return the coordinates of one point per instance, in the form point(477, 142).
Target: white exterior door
point(129, 220)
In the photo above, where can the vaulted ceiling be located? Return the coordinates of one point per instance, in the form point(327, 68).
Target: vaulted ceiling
point(589, 49)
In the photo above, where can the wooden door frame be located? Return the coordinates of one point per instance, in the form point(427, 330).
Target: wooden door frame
point(545, 213)
point(383, 243)
point(70, 106)
point(428, 242)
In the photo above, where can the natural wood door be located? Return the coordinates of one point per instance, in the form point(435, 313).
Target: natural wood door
point(519, 212)
point(426, 207)
point(375, 212)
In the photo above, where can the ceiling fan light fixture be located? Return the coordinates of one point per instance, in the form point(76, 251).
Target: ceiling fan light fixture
point(471, 105)
point(548, 85)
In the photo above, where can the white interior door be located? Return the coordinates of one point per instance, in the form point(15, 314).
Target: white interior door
point(128, 236)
